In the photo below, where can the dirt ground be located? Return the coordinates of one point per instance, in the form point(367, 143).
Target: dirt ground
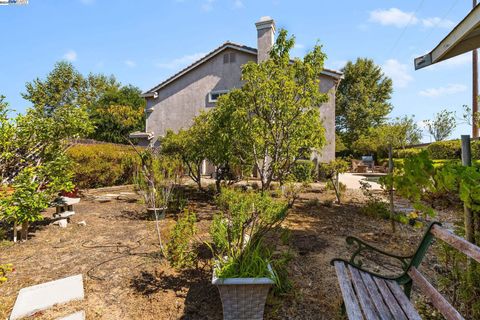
point(125, 277)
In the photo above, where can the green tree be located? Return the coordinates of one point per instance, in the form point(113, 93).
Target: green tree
point(64, 86)
point(362, 99)
point(442, 125)
point(113, 109)
point(399, 133)
point(33, 164)
point(224, 144)
point(117, 112)
point(190, 145)
point(276, 112)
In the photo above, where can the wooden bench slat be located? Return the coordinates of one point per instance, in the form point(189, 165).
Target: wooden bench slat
point(404, 302)
point(457, 242)
point(362, 294)
point(439, 301)
point(350, 299)
point(377, 298)
point(392, 302)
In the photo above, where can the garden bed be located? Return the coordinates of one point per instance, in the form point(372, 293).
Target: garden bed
point(125, 278)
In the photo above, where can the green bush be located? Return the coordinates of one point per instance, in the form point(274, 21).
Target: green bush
point(180, 251)
point(103, 165)
point(404, 153)
point(303, 171)
point(475, 149)
point(445, 150)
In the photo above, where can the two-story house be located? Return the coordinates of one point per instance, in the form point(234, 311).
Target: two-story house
point(173, 103)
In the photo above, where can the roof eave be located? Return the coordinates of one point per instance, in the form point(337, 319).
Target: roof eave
point(463, 38)
point(153, 93)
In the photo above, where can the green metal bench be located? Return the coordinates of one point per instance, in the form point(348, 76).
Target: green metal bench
point(369, 295)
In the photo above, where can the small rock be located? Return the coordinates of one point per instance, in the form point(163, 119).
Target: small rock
point(62, 223)
point(82, 223)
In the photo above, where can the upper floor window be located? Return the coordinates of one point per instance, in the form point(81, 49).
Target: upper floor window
point(214, 95)
point(229, 57)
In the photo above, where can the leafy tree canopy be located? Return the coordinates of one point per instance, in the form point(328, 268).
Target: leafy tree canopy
point(399, 133)
point(442, 125)
point(275, 115)
point(363, 99)
point(114, 110)
point(117, 113)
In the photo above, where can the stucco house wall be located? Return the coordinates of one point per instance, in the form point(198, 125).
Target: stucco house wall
point(183, 99)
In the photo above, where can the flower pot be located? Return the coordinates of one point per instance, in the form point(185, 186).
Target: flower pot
point(159, 211)
point(243, 298)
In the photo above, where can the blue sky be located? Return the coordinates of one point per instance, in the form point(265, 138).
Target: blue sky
point(143, 42)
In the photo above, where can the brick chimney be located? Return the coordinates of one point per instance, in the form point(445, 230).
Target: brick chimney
point(265, 37)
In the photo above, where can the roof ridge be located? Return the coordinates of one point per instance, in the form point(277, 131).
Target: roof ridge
point(210, 54)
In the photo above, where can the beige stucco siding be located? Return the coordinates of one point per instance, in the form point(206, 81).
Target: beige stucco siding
point(180, 101)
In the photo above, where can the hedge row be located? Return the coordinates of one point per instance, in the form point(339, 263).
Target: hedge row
point(103, 165)
point(441, 150)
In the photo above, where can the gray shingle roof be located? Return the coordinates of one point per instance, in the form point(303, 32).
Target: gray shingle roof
point(226, 45)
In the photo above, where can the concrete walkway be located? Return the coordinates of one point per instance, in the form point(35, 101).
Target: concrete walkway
point(352, 181)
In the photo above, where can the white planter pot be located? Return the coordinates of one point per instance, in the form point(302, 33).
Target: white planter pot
point(243, 298)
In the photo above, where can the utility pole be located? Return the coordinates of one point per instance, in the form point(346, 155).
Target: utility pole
point(474, 89)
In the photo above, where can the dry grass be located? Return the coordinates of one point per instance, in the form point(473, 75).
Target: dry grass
point(125, 277)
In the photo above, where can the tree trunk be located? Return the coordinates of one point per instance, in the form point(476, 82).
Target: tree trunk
point(15, 231)
point(24, 232)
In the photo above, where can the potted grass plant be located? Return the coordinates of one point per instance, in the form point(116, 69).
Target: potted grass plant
point(242, 270)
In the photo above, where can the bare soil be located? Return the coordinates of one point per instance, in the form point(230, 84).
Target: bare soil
point(125, 276)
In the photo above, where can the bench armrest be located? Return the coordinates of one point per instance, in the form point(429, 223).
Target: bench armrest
point(363, 246)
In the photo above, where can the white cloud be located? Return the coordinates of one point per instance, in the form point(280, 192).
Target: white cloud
point(207, 5)
point(398, 72)
point(400, 19)
point(442, 91)
point(238, 4)
point(180, 62)
point(437, 22)
point(71, 56)
point(130, 63)
point(393, 17)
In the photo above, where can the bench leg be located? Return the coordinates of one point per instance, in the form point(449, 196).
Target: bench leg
point(407, 288)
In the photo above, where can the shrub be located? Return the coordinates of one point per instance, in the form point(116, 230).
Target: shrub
point(476, 149)
point(404, 153)
point(444, 150)
point(238, 232)
point(103, 165)
point(303, 171)
point(180, 253)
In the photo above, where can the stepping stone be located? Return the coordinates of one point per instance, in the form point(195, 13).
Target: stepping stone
point(102, 199)
point(43, 296)
point(62, 223)
point(80, 315)
point(111, 195)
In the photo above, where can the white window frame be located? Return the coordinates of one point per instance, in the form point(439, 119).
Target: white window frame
point(210, 99)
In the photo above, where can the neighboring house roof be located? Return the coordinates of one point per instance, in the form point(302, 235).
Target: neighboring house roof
point(226, 45)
